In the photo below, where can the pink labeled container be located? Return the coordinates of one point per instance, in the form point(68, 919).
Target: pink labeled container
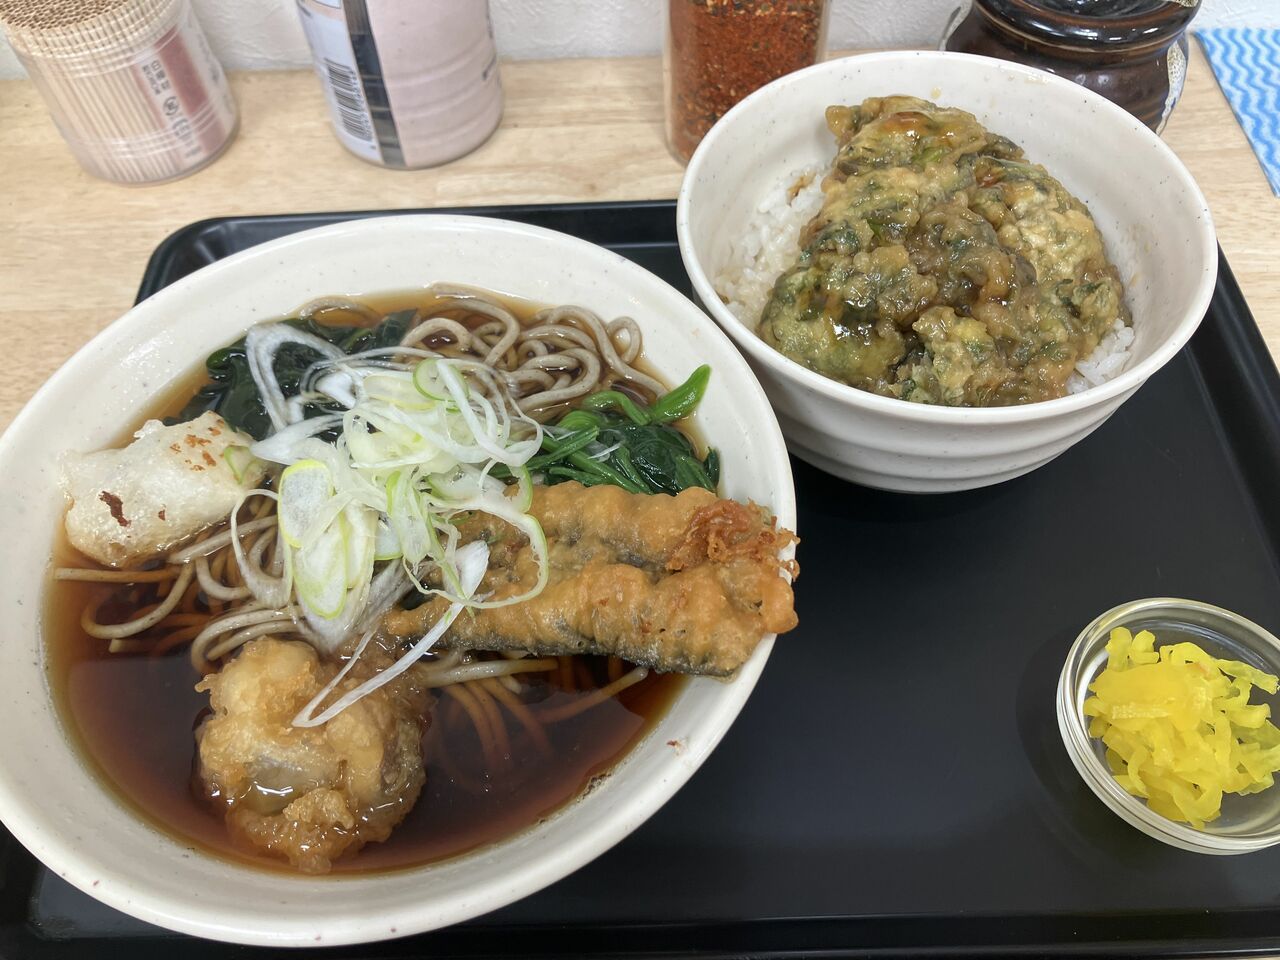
point(409, 84)
point(131, 84)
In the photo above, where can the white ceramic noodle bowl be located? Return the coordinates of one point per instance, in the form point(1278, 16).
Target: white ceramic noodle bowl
point(1153, 218)
point(79, 827)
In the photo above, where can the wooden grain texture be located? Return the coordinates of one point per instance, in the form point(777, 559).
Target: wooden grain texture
point(72, 248)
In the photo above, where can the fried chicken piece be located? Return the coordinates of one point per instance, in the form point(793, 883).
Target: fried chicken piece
point(310, 795)
point(687, 584)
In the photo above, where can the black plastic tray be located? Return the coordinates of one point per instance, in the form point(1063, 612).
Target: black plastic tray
point(896, 785)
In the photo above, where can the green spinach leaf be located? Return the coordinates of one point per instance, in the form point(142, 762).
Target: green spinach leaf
point(233, 395)
point(645, 453)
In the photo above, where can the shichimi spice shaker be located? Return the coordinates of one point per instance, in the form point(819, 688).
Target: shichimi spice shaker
point(715, 52)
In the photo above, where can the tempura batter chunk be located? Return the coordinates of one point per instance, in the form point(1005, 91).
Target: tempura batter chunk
point(309, 795)
point(944, 267)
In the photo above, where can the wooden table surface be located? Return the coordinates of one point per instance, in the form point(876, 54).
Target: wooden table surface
point(73, 248)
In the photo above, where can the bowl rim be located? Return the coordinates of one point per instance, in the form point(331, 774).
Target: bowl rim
point(258, 924)
point(1079, 745)
point(1117, 387)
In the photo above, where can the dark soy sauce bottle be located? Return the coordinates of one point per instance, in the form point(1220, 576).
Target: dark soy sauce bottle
point(1133, 52)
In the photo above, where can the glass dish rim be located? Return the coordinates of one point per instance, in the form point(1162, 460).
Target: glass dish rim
point(1078, 743)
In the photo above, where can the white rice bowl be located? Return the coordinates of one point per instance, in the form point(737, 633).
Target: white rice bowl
point(770, 244)
point(1154, 220)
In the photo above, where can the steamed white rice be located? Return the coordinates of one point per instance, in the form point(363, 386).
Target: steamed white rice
point(769, 245)
point(771, 241)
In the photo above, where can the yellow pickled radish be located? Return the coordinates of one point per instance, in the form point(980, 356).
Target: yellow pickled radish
point(1178, 725)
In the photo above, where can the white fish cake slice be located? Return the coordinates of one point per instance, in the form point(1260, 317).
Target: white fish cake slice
point(167, 485)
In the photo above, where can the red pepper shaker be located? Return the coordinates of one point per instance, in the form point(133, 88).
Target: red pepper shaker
point(715, 52)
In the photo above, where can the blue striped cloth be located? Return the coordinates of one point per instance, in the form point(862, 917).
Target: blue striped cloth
point(1247, 65)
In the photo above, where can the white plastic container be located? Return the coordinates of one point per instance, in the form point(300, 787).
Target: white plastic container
point(409, 84)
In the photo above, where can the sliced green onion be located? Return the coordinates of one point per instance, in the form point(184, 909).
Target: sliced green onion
point(305, 488)
point(239, 459)
point(417, 451)
point(473, 560)
point(427, 381)
point(320, 573)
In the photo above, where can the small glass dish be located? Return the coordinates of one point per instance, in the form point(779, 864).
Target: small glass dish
point(1247, 823)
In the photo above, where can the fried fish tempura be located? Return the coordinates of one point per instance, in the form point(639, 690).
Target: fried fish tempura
point(308, 795)
point(686, 584)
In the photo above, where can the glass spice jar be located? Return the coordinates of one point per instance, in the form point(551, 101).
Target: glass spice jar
point(1133, 52)
point(715, 52)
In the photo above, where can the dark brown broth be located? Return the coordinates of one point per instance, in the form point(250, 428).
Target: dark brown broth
point(134, 716)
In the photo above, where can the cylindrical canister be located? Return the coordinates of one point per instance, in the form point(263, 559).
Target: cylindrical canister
point(131, 84)
point(409, 84)
point(1133, 52)
point(716, 52)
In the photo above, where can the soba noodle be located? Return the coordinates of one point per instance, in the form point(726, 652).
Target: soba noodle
point(563, 353)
